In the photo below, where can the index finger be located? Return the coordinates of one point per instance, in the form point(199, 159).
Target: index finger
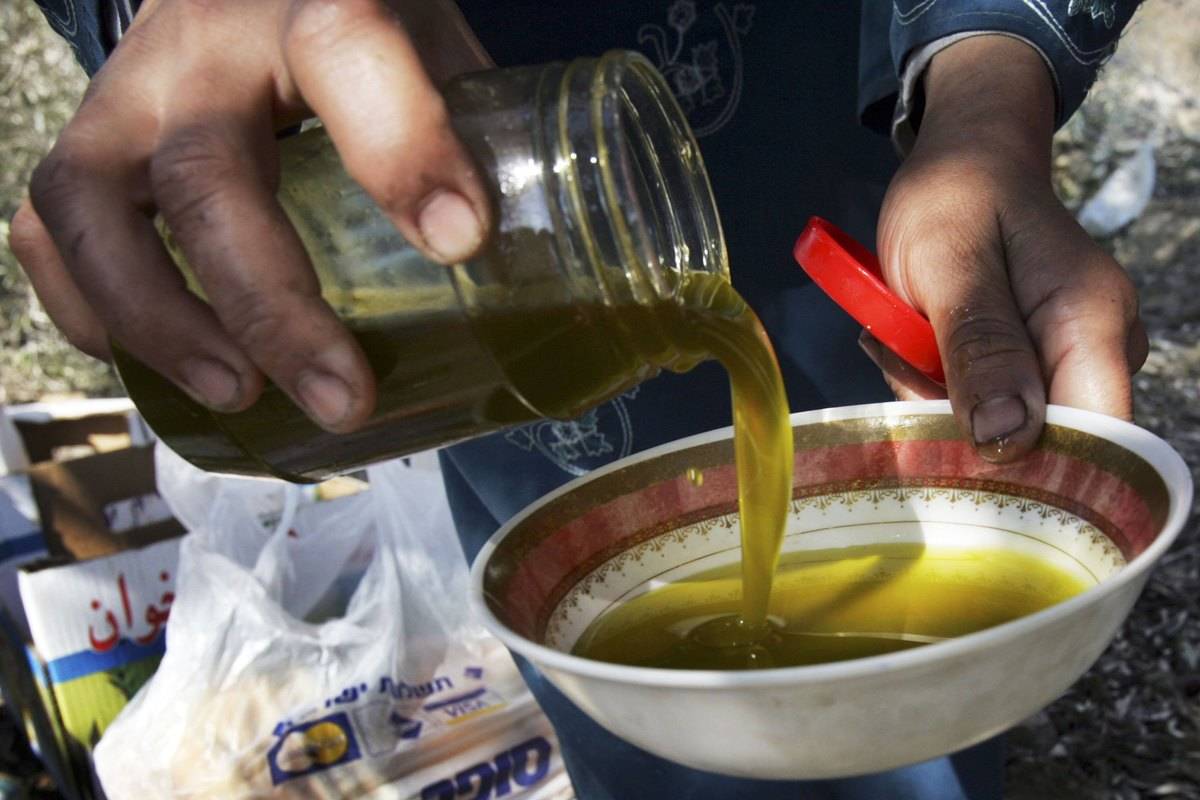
point(1083, 319)
point(1090, 347)
point(30, 242)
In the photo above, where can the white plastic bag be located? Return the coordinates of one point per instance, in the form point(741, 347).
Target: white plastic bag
point(403, 695)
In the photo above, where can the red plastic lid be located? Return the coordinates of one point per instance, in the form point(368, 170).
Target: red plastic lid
point(849, 273)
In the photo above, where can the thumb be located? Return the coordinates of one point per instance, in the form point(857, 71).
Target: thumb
point(958, 278)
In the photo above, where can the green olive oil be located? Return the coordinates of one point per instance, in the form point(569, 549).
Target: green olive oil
point(830, 605)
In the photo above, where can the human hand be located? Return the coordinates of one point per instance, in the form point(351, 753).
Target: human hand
point(1026, 307)
point(181, 121)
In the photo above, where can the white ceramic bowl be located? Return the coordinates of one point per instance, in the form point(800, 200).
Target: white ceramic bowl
point(1099, 495)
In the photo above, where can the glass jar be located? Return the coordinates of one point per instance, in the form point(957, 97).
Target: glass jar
point(602, 206)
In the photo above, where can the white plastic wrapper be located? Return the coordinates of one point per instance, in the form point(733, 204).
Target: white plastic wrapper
point(400, 694)
point(1123, 196)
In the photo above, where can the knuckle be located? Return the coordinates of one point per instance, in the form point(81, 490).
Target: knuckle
point(56, 180)
point(87, 339)
point(182, 16)
point(259, 325)
point(1105, 303)
point(204, 7)
point(25, 233)
point(188, 171)
point(982, 342)
point(319, 23)
point(1122, 292)
point(1123, 300)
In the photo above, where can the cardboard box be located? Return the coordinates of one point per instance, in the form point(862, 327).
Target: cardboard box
point(97, 607)
point(51, 432)
point(100, 505)
point(98, 633)
point(86, 513)
point(58, 431)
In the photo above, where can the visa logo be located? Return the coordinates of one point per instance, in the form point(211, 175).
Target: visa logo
point(462, 705)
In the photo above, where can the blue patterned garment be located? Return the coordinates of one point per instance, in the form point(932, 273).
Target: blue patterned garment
point(1075, 36)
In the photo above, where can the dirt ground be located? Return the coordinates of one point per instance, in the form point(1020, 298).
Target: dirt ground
point(1131, 727)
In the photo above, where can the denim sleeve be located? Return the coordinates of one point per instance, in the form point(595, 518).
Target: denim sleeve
point(92, 27)
point(878, 80)
point(1076, 37)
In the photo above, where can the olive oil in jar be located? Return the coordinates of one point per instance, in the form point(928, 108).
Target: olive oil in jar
point(602, 211)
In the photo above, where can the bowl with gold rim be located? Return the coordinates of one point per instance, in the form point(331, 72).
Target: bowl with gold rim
point(926, 599)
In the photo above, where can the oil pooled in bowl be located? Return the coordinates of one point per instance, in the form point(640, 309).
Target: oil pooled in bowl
point(829, 605)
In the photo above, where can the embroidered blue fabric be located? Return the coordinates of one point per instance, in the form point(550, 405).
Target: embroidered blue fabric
point(1076, 36)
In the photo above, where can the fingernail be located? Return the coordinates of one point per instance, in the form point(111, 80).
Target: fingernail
point(326, 397)
point(450, 226)
point(997, 418)
point(212, 383)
